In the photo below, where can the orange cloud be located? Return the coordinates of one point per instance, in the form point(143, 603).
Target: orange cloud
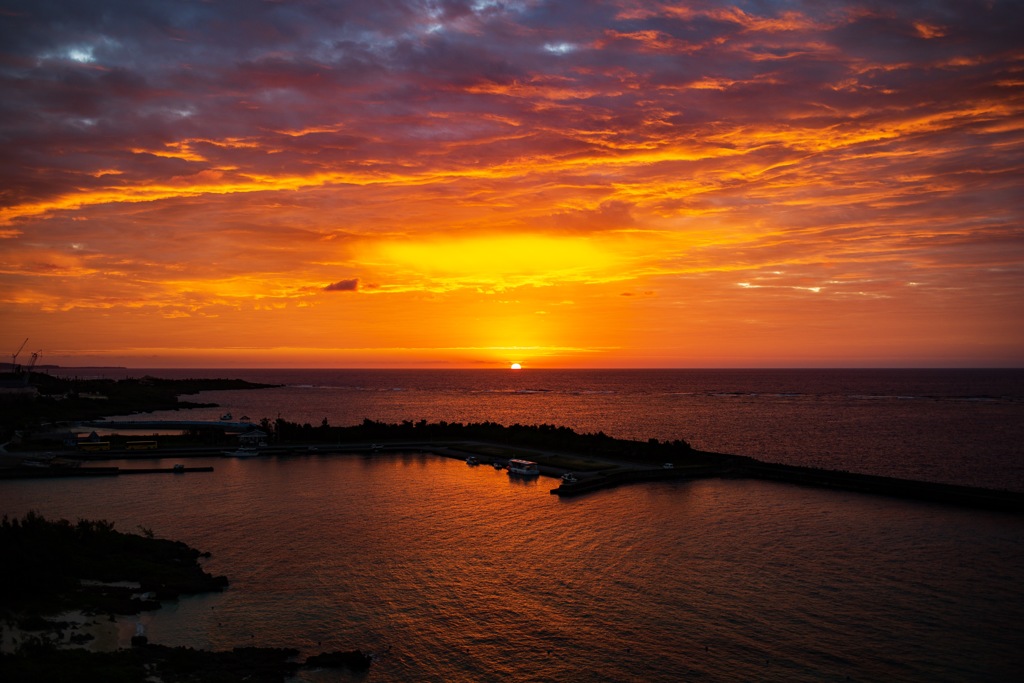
point(661, 183)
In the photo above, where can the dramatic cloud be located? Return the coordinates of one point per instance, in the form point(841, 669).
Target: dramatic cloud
point(343, 286)
point(785, 182)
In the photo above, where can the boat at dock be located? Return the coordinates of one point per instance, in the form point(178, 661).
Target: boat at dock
point(243, 452)
point(524, 468)
point(49, 462)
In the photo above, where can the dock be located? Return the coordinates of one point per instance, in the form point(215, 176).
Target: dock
point(61, 472)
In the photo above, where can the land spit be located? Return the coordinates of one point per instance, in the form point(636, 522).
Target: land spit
point(599, 472)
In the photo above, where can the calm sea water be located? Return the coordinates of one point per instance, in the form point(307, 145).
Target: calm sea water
point(954, 426)
point(453, 573)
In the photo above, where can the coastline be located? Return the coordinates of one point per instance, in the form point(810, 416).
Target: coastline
point(79, 630)
point(76, 596)
point(598, 462)
point(594, 472)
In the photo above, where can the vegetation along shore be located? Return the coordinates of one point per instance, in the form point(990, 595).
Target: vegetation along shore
point(90, 570)
point(597, 460)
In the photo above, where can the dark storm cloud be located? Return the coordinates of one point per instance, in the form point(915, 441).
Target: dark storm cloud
point(343, 286)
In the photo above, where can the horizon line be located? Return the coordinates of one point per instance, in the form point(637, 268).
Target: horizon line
point(528, 368)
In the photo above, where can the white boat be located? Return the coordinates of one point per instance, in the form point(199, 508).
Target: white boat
point(243, 452)
point(525, 468)
point(472, 460)
point(569, 478)
point(35, 463)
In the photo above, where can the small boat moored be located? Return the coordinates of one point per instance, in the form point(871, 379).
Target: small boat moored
point(569, 478)
point(34, 463)
point(472, 460)
point(243, 452)
point(525, 468)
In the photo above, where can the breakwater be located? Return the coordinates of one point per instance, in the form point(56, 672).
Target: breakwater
point(949, 494)
point(740, 467)
point(609, 480)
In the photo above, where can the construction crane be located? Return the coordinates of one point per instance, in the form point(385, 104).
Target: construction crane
point(14, 356)
point(27, 374)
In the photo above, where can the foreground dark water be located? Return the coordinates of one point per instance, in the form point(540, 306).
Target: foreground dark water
point(951, 426)
point(455, 573)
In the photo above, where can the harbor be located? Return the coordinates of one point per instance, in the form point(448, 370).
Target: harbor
point(600, 471)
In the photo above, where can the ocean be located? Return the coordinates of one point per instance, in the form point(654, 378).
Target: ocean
point(951, 426)
point(458, 573)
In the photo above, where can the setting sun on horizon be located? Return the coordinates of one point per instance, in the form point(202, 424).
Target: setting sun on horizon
point(614, 184)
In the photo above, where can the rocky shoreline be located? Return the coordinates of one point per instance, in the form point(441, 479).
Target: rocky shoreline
point(167, 664)
point(64, 585)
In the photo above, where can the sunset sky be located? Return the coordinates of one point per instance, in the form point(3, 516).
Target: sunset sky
point(474, 183)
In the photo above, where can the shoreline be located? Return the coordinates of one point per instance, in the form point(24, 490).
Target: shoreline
point(78, 591)
point(598, 461)
point(78, 630)
point(604, 472)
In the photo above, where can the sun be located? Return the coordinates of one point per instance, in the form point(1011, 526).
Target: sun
point(515, 366)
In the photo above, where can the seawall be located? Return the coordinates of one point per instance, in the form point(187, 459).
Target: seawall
point(740, 467)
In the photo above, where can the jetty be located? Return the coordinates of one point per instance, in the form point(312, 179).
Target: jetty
point(158, 425)
point(62, 472)
point(739, 467)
